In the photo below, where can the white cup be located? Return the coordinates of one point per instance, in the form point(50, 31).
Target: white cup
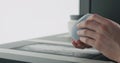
point(74, 19)
point(70, 25)
point(74, 30)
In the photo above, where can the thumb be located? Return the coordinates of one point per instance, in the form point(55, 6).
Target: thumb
point(79, 44)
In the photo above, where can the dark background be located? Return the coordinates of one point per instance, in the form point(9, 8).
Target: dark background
point(107, 8)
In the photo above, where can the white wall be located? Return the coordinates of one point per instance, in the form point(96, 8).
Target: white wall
point(26, 19)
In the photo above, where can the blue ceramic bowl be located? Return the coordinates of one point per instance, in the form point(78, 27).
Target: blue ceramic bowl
point(75, 29)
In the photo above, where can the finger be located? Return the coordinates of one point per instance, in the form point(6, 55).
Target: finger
point(91, 25)
point(88, 33)
point(88, 41)
point(99, 19)
point(88, 46)
point(79, 44)
point(83, 45)
point(74, 44)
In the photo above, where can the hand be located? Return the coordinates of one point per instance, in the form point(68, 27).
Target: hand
point(102, 34)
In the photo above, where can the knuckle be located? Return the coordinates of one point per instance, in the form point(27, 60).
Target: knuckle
point(103, 27)
point(93, 16)
point(87, 22)
point(85, 31)
point(108, 21)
